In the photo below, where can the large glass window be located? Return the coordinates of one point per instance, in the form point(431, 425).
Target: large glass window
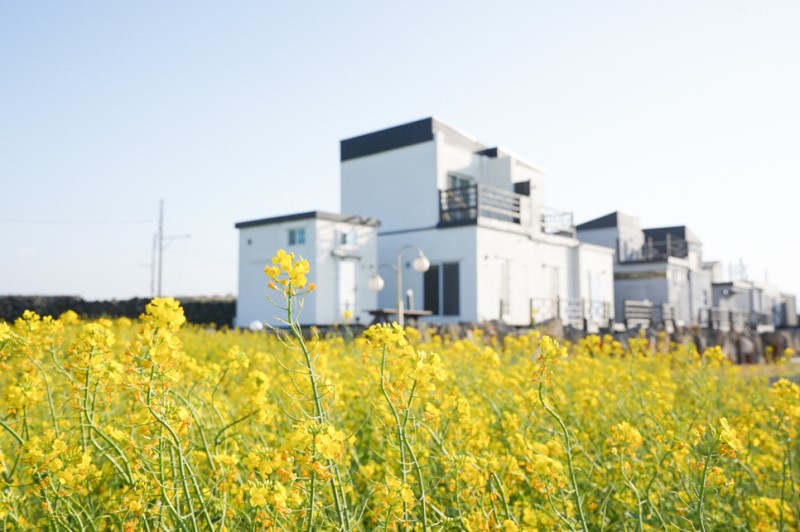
point(441, 288)
point(431, 289)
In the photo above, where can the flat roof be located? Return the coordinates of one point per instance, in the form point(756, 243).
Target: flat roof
point(403, 135)
point(319, 215)
point(614, 219)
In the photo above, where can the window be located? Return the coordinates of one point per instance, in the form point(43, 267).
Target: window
point(346, 238)
point(297, 236)
point(457, 181)
point(441, 289)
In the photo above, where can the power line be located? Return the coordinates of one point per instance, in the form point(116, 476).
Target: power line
point(198, 257)
point(73, 222)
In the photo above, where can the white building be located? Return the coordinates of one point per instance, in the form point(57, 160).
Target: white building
point(661, 265)
point(740, 303)
point(341, 251)
point(477, 212)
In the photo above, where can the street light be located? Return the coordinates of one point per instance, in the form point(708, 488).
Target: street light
point(420, 264)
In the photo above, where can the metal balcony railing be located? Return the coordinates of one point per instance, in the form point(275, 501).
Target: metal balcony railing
point(645, 314)
point(464, 205)
point(734, 320)
point(557, 222)
point(762, 319)
point(578, 313)
point(653, 250)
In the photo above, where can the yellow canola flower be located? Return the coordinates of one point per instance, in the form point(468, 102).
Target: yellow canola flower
point(625, 438)
point(330, 443)
point(5, 332)
point(258, 495)
point(264, 459)
point(729, 437)
point(165, 313)
point(714, 356)
point(407, 495)
point(69, 317)
point(288, 272)
point(388, 334)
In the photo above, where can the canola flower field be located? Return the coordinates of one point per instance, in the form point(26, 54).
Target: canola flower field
point(159, 425)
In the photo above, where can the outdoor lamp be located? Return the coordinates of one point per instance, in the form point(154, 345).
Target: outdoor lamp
point(375, 282)
point(420, 264)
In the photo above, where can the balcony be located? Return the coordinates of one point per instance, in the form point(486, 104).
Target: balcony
point(653, 250)
point(581, 314)
point(557, 222)
point(464, 205)
point(735, 320)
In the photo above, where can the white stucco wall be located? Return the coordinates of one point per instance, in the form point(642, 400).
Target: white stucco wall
point(604, 236)
point(257, 246)
point(596, 274)
point(700, 286)
point(397, 187)
point(732, 296)
point(330, 255)
point(640, 281)
point(452, 156)
point(456, 244)
point(538, 271)
point(508, 273)
point(680, 294)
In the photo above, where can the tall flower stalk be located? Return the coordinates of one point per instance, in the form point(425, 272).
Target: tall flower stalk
point(288, 276)
point(550, 353)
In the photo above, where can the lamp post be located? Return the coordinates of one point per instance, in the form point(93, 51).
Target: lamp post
point(420, 264)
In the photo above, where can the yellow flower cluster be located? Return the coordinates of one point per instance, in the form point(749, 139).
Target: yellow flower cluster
point(729, 439)
point(165, 313)
point(625, 438)
point(287, 272)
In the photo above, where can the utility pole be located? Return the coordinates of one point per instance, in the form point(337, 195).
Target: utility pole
point(160, 242)
point(161, 238)
point(153, 266)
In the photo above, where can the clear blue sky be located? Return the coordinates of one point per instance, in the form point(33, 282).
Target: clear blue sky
point(680, 112)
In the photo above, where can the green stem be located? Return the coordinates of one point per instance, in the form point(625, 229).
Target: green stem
point(568, 446)
point(127, 473)
point(632, 486)
point(12, 432)
point(701, 493)
point(49, 395)
point(397, 423)
point(182, 465)
point(319, 411)
point(413, 456)
point(502, 495)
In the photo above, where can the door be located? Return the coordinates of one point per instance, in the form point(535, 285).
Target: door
point(347, 288)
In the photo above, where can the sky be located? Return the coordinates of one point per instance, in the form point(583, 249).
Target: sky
point(681, 113)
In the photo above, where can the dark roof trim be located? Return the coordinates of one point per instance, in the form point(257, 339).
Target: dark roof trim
point(489, 152)
point(387, 139)
point(320, 215)
point(609, 220)
point(404, 135)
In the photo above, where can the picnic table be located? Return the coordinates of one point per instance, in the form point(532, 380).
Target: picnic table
point(382, 315)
